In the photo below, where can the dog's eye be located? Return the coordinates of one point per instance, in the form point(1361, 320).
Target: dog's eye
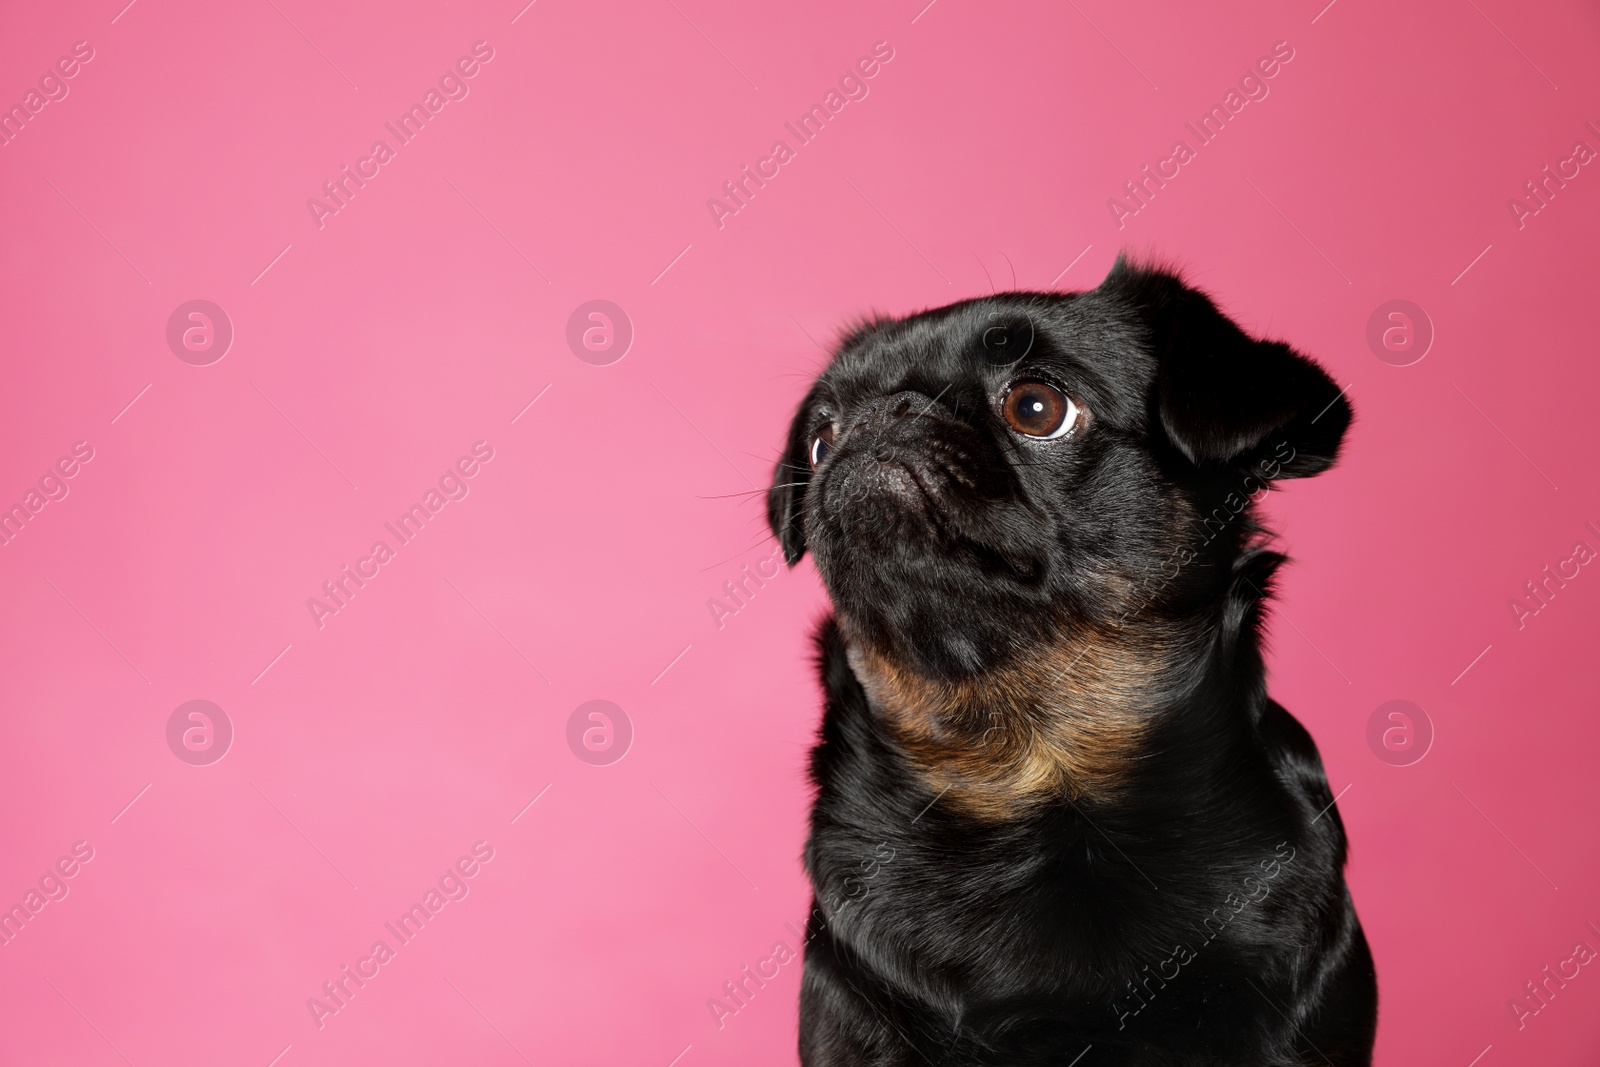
point(820, 445)
point(1038, 409)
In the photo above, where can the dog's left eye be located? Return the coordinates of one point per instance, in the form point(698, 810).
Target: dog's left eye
point(820, 445)
point(1038, 409)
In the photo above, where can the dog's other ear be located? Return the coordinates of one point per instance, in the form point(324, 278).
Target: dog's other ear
point(786, 498)
point(1222, 397)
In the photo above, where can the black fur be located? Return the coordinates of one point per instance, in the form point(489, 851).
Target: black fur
point(1195, 914)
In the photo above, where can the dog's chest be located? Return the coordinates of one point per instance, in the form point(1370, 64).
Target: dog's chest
point(935, 913)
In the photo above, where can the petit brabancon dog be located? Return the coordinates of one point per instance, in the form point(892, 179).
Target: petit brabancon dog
point(1058, 819)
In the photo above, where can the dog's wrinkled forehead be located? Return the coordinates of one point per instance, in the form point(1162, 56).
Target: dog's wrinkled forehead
point(1088, 344)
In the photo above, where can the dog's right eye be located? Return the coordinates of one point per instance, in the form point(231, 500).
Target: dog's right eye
point(820, 445)
point(1038, 409)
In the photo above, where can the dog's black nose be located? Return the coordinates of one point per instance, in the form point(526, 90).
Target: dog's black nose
point(905, 404)
point(889, 421)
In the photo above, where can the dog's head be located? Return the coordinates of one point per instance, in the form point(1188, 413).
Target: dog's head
point(975, 478)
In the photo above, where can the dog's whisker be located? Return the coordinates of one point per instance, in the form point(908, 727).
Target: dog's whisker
point(743, 493)
point(765, 535)
point(1013, 267)
point(934, 401)
point(985, 272)
point(747, 492)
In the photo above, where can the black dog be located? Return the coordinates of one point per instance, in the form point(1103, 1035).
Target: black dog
point(1058, 819)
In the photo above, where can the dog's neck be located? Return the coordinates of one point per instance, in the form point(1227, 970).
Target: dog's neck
point(1066, 721)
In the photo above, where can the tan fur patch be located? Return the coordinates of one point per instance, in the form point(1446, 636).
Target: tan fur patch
point(1067, 721)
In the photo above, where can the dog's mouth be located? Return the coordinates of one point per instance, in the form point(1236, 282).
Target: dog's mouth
point(908, 481)
point(889, 491)
point(886, 476)
point(919, 526)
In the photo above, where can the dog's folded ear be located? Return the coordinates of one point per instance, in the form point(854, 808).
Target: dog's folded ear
point(1223, 398)
point(786, 497)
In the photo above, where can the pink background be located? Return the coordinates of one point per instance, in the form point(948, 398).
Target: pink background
point(373, 351)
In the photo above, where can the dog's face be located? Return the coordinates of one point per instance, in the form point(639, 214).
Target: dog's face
point(973, 479)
